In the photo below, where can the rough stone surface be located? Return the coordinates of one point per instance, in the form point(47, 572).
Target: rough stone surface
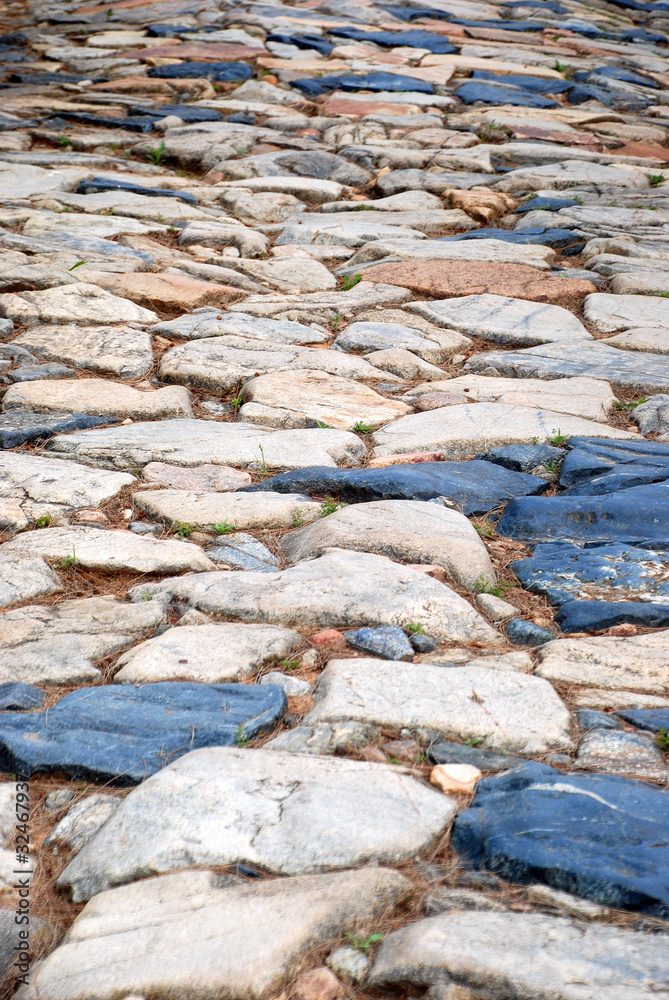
point(98, 397)
point(80, 302)
point(216, 478)
point(233, 510)
point(114, 350)
point(614, 752)
point(634, 663)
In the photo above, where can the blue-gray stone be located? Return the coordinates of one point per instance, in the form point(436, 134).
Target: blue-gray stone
point(544, 204)
point(563, 571)
point(618, 73)
point(220, 72)
point(539, 235)
point(414, 39)
point(491, 93)
point(588, 719)
point(636, 516)
point(477, 487)
point(96, 185)
point(124, 733)
point(89, 247)
point(378, 82)
point(20, 428)
point(6, 327)
point(389, 641)
point(524, 633)
point(652, 719)
point(423, 643)
point(535, 84)
point(31, 373)
point(593, 616)
point(15, 696)
point(600, 837)
point(316, 42)
point(523, 457)
point(460, 753)
point(129, 124)
point(596, 466)
point(242, 551)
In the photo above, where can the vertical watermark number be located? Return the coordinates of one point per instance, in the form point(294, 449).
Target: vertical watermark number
point(23, 873)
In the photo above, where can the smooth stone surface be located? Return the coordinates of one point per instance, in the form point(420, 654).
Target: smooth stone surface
point(462, 431)
point(113, 350)
point(321, 740)
point(15, 696)
point(524, 457)
point(25, 576)
point(291, 686)
point(96, 548)
point(504, 320)
point(654, 720)
point(309, 398)
point(387, 641)
point(508, 710)
point(61, 644)
point(615, 752)
point(197, 932)
point(498, 609)
point(216, 478)
point(32, 487)
point(123, 734)
point(24, 428)
point(436, 347)
point(461, 753)
point(408, 531)
point(243, 551)
point(81, 303)
point(232, 510)
point(209, 322)
point(599, 837)
point(287, 813)
point(82, 821)
point(633, 663)
point(193, 442)
point(524, 633)
point(592, 616)
point(476, 487)
point(98, 397)
point(652, 417)
point(653, 340)
point(209, 653)
point(542, 956)
point(336, 590)
point(169, 292)
point(611, 313)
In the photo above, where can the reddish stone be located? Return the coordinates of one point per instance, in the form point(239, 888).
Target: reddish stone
point(317, 984)
point(625, 629)
point(406, 458)
point(330, 639)
point(342, 105)
point(169, 291)
point(645, 150)
point(213, 52)
point(435, 400)
point(443, 279)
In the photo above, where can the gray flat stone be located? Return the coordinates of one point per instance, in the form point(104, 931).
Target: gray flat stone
point(436, 348)
point(193, 442)
point(336, 590)
point(242, 551)
point(82, 821)
point(574, 173)
point(98, 397)
point(291, 686)
point(630, 663)
point(113, 350)
point(197, 932)
point(409, 531)
point(503, 320)
point(60, 644)
point(654, 340)
point(616, 752)
point(25, 576)
point(507, 710)
point(542, 956)
point(287, 813)
point(610, 313)
point(207, 322)
point(230, 510)
point(81, 303)
point(652, 417)
point(216, 478)
point(213, 654)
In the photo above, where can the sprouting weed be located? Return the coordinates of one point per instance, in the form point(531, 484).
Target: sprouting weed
point(364, 944)
point(63, 141)
point(240, 738)
point(662, 739)
point(558, 438)
point(330, 505)
point(289, 664)
point(414, 628)
point(655, 179)
point(363, 428)
point(473, 741)
point(484, 530)
point(298, 519)
point(336, 322)
point(321, 425)
point(183, 530)
point(550, 466)
point(350, 282)
point(577, 198)
point(155, 155)
point(223, 528)
point(43, 522)
point(67, 561)
point(236, 402)
point(75, 266)
point(394, 760)
point(499, 589)
point(630, 406)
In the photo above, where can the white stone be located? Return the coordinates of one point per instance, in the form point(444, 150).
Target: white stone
point(463, 431)
point(198, 934)
point(610, 313)
point(493, 251)
point(291, 686)
point(96, 548)
point(455, 777)
point(114, 350)
point(410, 531)
point(498, 609)
point(290, 814)
point(23, 577)
point(648, 339)
point(436, 347)
point(234, 510)
point(338, 589)
point(194, 442)
point(310, 276)
point(207, 322)
point(544, 895)
point(83, 821)
point(503, 320)
point(404, 364)
point(507, 710)
point(81, 303)
point(574, 173)
point(309, 189)
point(634, 663)
point(96, 396)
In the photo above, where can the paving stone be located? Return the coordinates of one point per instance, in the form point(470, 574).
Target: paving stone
point(462, 431)
point(98, 397)
point(388, 641)
point(209, 653)
point(389, 250)
point(82, 821)
point(105, 954)
point(25, 576)
point(114, 350)
point(524, 633)
point(242, 551)
point(523, 457)
point(634, 663)
point(215, 478)
point(589, 719)
point(23, 428)
point(436, 348)
point(543, 895)
point(610, 313)
point(476, 487)
point(125, 733)
point(169, 292)
point(308, 814)
point(229, 510)
point(504, 320)
point(80, 302)
point(652, 340)
point(192, 442)
point(33, 487)
point(443, 900)
point(583, 834)
point(60, 644)
point(409, 531)
point(496, 608)
point(616, 752)
point(291, 686)
point(652, 417)
point(336, 590)
point(509, 711)
point(30, 373)
point(16, 695)
point(96, 548)
point(654, 720)
point(461, 753)
point(536, 953)
point(208, 322)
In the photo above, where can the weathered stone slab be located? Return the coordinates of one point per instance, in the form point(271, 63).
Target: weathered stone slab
point(206, 322)
point(574, 173)
point(233, 510)
point(193, 442)
point(114, 350)
point(212, 653)
point(406, 530)
point(60, 644)
point(633, 663)
point(97, 396)
point(242, 551)
point(24, 576)
point(216, 478)
point(507, 710)
point(504, 320)
point(652, 340)
point(339, 589)
point(541, 955)
point(82, 821)
point(157, 936)
point(462, 431)
point(436, 347)
point(288, 813)
point(494, 251)
point(610, 313)
point(615, 752)
point(32, 487)
point(96, 548)
point(169, 292)
point(81, 303)
point(600, 837)
point(125, 733)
